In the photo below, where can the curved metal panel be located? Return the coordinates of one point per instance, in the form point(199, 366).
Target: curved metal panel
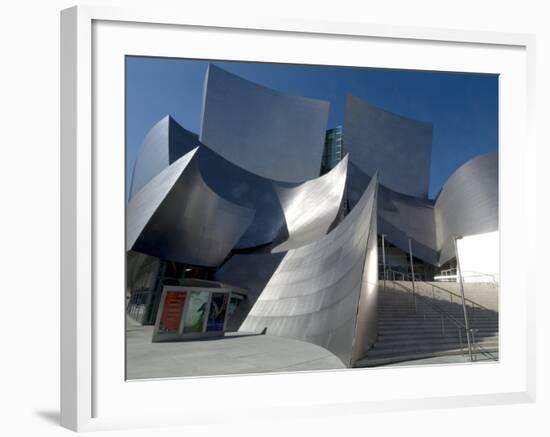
point(163, 145)
point(271, 134)
point(248, 190)
point(399, 147)
point(311, 207)
point(286, 214)
point(467, 203)
point(261, 196)
point(315, 290)
point(400, 217)
point(145, 203)
point(251, 272)
point(177, 217)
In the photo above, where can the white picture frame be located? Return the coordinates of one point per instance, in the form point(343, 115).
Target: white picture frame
point(93, 396)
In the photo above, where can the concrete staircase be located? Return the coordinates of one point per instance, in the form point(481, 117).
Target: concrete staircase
point(405, 334)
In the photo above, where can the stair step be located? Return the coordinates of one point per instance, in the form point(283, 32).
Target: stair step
point(427, 348)
point(398, 334)
point(405, 334)
point(434, 317)
point(420, 342)
point(431, 323)
point(408, 337)
point(373, 362)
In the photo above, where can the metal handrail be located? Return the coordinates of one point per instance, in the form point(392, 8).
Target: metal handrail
point(481, 349)
point(458, 324)
point(394, 272)
point(425, 301)
point(491, 275)
point(457, 295)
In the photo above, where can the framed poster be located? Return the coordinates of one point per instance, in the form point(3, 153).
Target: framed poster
point(170, 318)
point(95, 45)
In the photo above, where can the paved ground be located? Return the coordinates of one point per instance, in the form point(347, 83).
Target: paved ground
point(233, 354)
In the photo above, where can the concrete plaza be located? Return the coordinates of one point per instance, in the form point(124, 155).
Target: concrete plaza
point(232, 354)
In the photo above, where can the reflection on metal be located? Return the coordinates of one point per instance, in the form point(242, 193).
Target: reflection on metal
point(325, 292)
point(399, 147)
point(271, 134)
point(251, 272)
point(400, 217)
point(311, 207)
point(177, 217)
point(202, 206)
point(248, 200)
point(467, 203)
point(287, 214)
point(247, 190)
point(163, 145)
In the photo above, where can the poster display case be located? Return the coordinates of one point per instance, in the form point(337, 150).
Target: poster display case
point(189, 313)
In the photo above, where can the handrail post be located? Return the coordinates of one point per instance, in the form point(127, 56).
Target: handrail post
point(412, 273)
point(384, 259)
point(459, 277)
point(474, 339)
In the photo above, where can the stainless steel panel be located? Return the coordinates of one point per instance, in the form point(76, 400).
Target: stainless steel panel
point(248, 190)
point(269, 205)
point(400, 217)
point(314, 291)
point(271, 134)
point(163, 145)
point(467, 203)
point(177, 217)
point(311, 207)
point(399, 147)
point(286, 214)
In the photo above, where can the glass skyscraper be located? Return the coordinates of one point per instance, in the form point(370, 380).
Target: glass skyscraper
point(333, 151)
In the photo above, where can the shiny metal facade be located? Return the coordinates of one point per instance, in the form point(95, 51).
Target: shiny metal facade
point(247, 199)
point(177, 217)
point(311, 207)
point(163, 145)
point(399, 148)
point(203, 190)
point(284, 214)
point(313, 293)
point(271, 134)
point(467, 203)
point(400, 217)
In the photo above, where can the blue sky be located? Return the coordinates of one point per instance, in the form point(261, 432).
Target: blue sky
point(463, 107)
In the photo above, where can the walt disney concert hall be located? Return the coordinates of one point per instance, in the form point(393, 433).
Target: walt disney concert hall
point(268, 221)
